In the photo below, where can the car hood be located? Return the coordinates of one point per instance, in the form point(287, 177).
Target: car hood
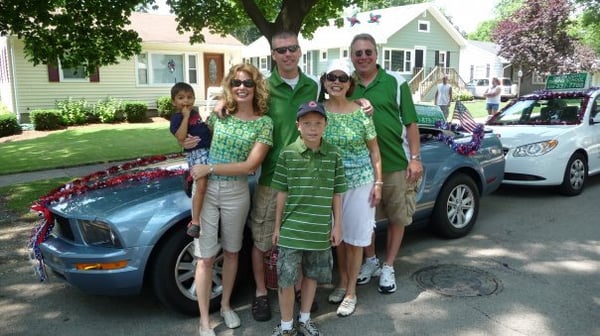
point(517, 135)
point(118, 202)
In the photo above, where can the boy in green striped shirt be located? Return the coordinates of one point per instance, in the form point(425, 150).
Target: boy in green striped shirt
point(310, 180)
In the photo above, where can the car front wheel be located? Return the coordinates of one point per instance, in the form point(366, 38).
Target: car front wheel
point(173, 273)
point(456, 207)
point(575, 176)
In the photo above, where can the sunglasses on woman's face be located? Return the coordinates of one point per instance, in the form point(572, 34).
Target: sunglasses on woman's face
point(281, 50)
point(343, 78)
point(367, 52)
point(247, 83)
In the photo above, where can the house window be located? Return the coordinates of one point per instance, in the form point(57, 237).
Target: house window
point(192, 69)
point(263, 65)
point(142, 69)
point(159, 69)
point(344, 53)
point(323, 55)
point(397, 60)
point(75, 74)
point(442, 60)
point(307, 63)
point(423, 26)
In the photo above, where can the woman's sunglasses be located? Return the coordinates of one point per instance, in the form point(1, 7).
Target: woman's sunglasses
point(342, 78)
point(359, 53)
point(247, 83)
point(282, 50)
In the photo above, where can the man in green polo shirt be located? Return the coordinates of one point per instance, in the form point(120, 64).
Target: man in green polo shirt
point(395, 121)
point(288, 89)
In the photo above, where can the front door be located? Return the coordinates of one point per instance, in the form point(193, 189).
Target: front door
point(213, 70)
point(418, 60)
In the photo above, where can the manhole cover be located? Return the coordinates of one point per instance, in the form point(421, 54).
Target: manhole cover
point(457, 280)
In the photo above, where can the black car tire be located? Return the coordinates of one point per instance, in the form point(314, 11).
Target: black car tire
point(173, 272)
point(456, 207)
point(575, 175)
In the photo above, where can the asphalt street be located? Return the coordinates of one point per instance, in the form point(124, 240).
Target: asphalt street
point(529, 267)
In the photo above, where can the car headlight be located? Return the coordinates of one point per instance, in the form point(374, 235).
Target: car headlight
point(98, 233)
point(535, 149)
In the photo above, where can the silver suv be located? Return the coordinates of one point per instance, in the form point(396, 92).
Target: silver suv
point(478, 86)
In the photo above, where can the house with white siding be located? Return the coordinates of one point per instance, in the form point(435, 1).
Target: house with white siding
point(415, 40)
point(167, 57)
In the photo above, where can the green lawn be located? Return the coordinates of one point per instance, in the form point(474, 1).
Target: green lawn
point(88, 145)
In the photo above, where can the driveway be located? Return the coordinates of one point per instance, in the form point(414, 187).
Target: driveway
point(530, 267)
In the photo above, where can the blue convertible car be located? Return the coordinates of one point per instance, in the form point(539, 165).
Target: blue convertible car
point(116, 232)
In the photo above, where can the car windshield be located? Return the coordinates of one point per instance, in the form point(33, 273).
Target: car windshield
point(537, 111)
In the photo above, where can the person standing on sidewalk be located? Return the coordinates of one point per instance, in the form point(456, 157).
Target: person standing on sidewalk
point(310, 181)
point(288, 88)
point(443, 96)
point(395, 121)
point(352, 131)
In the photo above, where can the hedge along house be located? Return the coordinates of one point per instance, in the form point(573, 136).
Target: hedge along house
point(167, 57)
point(415, 40)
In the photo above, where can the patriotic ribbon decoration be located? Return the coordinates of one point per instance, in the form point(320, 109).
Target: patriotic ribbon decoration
point(112, 176)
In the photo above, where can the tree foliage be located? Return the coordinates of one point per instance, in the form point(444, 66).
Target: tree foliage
point(78, 33)
point(535, 37)
point(93, 33)
point(269, 16)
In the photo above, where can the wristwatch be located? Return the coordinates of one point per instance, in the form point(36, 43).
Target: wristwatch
point(416, 157)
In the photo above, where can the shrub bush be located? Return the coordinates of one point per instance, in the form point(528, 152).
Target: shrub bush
point(165, 108)
point(9, 125)
point(47, 120)
point(108, 111)
point(74, 112)
point(135, 112)
point(463, 95)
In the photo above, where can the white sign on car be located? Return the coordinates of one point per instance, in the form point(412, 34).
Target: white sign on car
point(552, 137)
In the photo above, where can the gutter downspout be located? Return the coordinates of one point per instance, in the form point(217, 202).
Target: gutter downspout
point(11, 57)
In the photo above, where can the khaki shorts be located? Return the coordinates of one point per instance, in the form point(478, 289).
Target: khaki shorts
point(262, 217)
point(223, 217)
point(316, 265)
point(398, 199)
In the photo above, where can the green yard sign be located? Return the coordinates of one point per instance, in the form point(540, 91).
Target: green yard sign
point(567, 81)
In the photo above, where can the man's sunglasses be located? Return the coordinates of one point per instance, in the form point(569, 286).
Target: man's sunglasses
point(247, 83)
point(359, 53)
point(342, 78)
point(282, 50)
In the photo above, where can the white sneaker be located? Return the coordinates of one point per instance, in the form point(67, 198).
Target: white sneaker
point(387, 280)
point(368, 270)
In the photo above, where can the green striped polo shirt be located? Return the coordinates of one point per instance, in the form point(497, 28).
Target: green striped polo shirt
point(310, 179)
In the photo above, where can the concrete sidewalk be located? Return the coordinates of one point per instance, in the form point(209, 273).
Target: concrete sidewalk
point(73, 172)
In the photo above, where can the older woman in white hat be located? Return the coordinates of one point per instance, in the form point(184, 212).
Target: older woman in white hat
point(353, 132)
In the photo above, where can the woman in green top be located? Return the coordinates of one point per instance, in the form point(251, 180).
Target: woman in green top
point(353, 132)
point(240, 142)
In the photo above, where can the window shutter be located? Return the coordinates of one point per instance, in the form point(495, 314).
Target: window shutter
point(437, 58)
point(447, 59)
point(95, 77)
point(53, 75)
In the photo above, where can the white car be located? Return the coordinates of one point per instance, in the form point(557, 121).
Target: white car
point(552, 137)
point(478, 86)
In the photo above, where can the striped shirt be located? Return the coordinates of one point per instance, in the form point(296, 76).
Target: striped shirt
point(310, 180)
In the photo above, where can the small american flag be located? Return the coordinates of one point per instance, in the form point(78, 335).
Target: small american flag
point(464, 117)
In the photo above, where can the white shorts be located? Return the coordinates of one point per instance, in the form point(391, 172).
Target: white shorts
point(358, 217)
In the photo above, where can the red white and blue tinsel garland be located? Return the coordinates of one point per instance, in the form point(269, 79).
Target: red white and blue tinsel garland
point(463, 148)
point(112, 176)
